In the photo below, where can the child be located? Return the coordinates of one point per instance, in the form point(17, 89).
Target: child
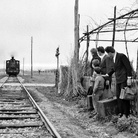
point(98, 88)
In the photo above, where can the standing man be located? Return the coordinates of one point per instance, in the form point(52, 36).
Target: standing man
point(106, 64)
point(123, 73)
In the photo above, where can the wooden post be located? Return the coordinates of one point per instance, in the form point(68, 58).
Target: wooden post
point(23, 66)
point(137, 66)
point(4, 66)
point(76, 49)
point(57, 71)
point(31, 57)
point(87, 53)
point(76, 31)
point(114, 25)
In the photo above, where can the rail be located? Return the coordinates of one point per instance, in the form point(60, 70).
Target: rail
point(46, 121)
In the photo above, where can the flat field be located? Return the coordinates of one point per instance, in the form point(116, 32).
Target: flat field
point(43, 77)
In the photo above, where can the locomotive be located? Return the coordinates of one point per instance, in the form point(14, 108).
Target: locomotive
point(12, 67)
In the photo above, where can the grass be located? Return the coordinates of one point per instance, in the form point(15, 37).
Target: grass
point(43, 77)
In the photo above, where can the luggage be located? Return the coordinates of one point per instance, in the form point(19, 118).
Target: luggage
point(127, 93)
point(89, 98)
point(89, 103)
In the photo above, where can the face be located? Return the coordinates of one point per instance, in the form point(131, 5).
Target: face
point(92, 54)
point(100, 53)
point(110, 54)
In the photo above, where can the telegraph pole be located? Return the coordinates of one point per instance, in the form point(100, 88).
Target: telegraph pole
point(31, 57)
point(23, 66)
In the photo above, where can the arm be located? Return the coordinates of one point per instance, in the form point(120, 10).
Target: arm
point(111, 72)
point(109, 65)
point(127, 65)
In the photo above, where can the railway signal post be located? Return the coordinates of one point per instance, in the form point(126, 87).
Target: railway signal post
point(57, 70)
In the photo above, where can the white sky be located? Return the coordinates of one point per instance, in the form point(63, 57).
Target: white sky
point(51, 23)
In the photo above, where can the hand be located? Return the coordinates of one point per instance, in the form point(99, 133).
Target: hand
point(129, 81)
point(93, 94)
point(92, 79)
point(106, 75)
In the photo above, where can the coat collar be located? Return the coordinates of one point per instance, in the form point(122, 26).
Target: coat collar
point(115, 56)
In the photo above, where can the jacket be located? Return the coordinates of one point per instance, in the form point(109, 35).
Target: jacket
point(122, 68)
point(106, 65)
point(98, 84)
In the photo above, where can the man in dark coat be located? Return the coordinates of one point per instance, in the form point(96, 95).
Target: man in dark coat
point(123, 73)
point(106, 64)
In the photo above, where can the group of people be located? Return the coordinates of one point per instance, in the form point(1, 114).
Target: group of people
point(105, 62)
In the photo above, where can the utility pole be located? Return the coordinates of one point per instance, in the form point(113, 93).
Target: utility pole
point(31, 57)
point(4, 66)
point(57, 71)
point(76, 31)
point(23, 66)
point(76, 48)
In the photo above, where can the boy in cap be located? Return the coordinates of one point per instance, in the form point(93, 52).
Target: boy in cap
point(98, 88)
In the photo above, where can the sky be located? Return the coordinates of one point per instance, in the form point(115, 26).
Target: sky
point(51, 24)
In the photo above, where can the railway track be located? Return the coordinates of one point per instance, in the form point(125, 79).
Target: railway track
point(20, 116)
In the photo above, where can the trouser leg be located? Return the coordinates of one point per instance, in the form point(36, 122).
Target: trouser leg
point(126, 106)
point(123, 105)
point(95, 99)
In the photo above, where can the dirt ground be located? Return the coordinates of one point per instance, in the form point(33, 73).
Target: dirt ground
point(71, 118)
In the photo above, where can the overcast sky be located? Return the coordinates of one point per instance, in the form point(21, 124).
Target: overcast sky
point(51, 23)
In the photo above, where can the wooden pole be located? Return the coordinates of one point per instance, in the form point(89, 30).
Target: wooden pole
point(31, 57)
point(58, 60)
point(87, 48)
point(76, 49)
point(137, 65)
point(57, 71)
point(73, 79)
point(114, 27)
point(112, 40)
point(23, 66)
point(4, 66)
point(76, 32)
point(120, 17)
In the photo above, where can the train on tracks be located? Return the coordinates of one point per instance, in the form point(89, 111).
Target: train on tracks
point(12, 67)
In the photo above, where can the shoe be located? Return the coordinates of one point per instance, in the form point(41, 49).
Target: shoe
point(93, 112)
point(127, 116)
point(95, 117)
point(123, 117)
point(90, 109)
point(120, 115)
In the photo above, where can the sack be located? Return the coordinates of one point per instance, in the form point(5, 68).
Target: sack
point(127, 93)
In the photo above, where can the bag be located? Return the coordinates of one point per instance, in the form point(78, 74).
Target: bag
point(90, 91)
point(106, 82)
point(127, 93)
